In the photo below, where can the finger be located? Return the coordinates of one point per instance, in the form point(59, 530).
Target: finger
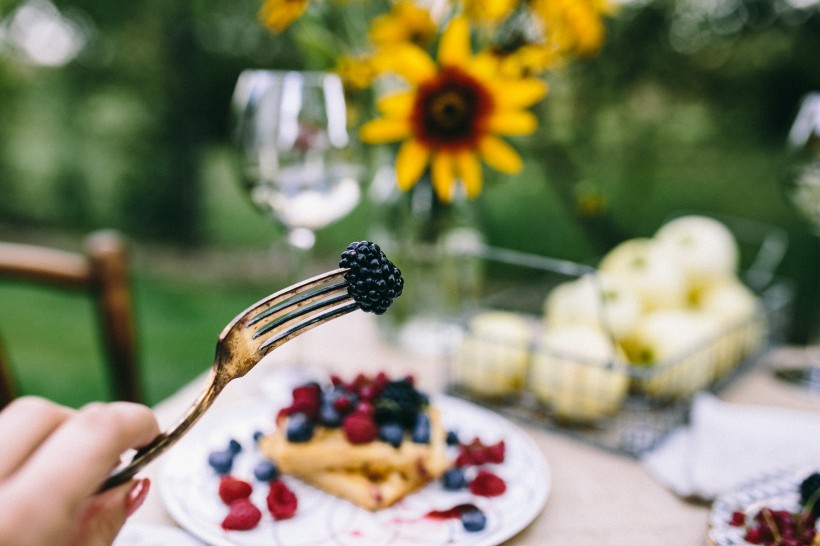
point(24, 425)
point(72, 463)
point(104, 514)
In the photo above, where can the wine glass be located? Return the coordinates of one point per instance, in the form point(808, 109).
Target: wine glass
point(300, 164)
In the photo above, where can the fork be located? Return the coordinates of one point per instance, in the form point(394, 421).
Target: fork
point(264, 326)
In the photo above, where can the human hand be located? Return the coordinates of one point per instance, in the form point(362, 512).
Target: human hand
point(54, 460)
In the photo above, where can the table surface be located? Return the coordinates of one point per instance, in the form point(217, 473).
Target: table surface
point(597, 497)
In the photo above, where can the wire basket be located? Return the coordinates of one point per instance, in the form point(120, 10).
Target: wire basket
point(510, 357)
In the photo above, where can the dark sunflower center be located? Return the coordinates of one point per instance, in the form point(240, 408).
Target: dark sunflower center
point(451, 110)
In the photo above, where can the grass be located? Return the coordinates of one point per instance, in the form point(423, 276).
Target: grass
point(50, 337)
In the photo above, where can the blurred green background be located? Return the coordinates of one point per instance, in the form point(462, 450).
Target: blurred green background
point(116, 114)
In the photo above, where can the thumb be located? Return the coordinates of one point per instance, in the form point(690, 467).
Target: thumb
point(104, 514)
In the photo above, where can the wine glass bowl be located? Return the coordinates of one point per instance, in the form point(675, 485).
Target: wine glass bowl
point(299, 162)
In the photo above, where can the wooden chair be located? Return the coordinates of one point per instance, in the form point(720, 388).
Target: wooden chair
point(101, 272)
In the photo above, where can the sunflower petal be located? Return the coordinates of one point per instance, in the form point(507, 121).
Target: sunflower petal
point(396, 105)
point(411, 160)
point(499, 155)
point(469, 170)
point(454, 47)
point(441, 172)
point(519, 93)
point(384, 130)
point(513, 123)
point(407, 60)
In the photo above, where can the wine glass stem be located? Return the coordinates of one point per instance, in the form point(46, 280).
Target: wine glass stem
point(301, 241)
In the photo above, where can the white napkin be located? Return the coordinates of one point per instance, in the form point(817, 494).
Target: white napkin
point(726, 445)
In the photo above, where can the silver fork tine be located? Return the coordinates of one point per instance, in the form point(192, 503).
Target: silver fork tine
point(304, 298)
point(306, 325)
point(262, 309)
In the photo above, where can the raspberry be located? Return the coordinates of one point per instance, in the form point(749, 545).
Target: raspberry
point(307, 399)
point(374, 281)
point(231, 489)
point(242, 515)
point(360, 428)
point(476, 453)
point(487, 484)
point(282, 502)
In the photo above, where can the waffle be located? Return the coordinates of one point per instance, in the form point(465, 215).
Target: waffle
point(373, 476)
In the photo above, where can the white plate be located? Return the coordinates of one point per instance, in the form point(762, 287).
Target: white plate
point(146, 534)
point(188, 487)
point(779, 490)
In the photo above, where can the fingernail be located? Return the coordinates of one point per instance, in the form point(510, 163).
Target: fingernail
point(136, 496)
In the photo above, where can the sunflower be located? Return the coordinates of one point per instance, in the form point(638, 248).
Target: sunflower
point(277, 15)
point(405, 22)
point(453, 114)
point(489, 11)
point(575, 27)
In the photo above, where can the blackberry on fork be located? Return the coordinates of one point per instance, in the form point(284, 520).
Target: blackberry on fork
point(374, 281)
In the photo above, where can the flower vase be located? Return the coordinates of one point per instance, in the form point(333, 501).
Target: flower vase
point(436, 246)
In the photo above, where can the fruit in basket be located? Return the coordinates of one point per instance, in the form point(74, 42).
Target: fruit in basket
point(606, 301)
point(492, 358)
point(578, 371)
point(740, 315)
point(674, 349)
point(703, 247)
point(650, 269)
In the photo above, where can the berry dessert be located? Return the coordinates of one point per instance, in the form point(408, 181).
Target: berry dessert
point(371, 441)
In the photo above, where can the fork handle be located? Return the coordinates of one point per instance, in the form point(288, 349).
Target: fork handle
point(166, 439)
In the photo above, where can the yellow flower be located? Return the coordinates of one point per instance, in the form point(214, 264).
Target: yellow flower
point(406, 22)
point(489, 11)
point(356, 72)
point(277, 15)
point(575, 27)
point(453, 115)
point(528, 60)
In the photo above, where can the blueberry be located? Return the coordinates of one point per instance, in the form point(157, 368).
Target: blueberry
point(265, 471)
point(299, 428)
point(392, 433)
point(454, 479)
point(258, 436)
point(221, 461)
point(421, 429)
point(328, 416)
point(473, 520)
point(234, 446)
point(452, 438)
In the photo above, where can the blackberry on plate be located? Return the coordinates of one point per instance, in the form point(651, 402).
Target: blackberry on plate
point(400, 402)
point(810, 493)
point(374, 281)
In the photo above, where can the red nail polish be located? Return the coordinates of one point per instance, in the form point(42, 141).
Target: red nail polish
point(136, 496)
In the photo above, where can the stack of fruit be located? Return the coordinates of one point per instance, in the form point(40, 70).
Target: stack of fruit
point(665, 315)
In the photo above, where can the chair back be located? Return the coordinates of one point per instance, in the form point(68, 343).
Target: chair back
point(101, 272)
